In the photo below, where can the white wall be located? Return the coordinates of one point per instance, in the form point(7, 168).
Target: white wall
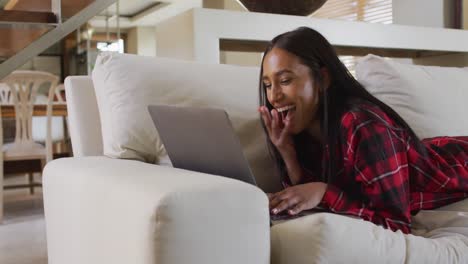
point(178, 45)
point(427, 13)
point(436, 13)
point(142, 41)
point(146, 41)
point(465, 14)
point(132, 39)
point(236, 57)
point(233, 5)
point(215, 4)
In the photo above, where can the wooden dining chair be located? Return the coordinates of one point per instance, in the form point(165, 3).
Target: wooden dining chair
point(23, 87)
point(61, 99)
point(59, 125)
point(5, 94)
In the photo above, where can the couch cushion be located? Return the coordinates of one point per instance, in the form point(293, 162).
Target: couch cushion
point(331, 238)
point(439, 236)
point(83, 115)
point(126, 84)
point(431, 99)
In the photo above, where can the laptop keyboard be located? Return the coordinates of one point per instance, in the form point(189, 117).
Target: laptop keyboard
point(285, 216)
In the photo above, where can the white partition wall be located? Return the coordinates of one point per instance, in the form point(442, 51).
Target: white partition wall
point(196, 35)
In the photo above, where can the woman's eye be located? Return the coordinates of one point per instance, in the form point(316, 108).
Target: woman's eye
point(285, 82)
point(267, 86)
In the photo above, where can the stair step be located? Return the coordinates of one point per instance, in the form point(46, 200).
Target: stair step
point(81, 12)
point(72, 7)
point(27, 5)
point(17, 16)
point(15, 39)
point(68, 7)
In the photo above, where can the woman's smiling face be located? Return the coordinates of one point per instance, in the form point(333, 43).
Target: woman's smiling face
point(290, 88)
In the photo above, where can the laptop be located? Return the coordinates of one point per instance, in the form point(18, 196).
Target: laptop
point(203, 140)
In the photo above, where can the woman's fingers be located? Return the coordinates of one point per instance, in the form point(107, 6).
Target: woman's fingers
point(286, 200)
point(297, 209)
point(266, 118)
point(285, 132)
point(285, 204)
point(274, 202)
point(270, 196)
point(274, 122)
point(276, 125)
point(280, 197)
point(276, 199)
point(280, 119)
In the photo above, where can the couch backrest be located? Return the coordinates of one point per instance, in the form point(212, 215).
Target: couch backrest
point(432, 100)
point(83, 116)
point(126, 84)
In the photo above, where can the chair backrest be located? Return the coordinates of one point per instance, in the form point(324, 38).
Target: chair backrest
point(5, 94)
point(59, 94)
point(24, 86)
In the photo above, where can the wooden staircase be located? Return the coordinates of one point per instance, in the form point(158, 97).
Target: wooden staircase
point(28, 27)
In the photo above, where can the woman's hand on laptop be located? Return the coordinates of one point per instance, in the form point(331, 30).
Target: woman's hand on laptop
point(297, 198)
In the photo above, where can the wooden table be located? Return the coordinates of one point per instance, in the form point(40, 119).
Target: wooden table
point(39, 110)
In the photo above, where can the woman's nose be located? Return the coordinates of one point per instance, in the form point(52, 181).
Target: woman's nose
point(276, 94)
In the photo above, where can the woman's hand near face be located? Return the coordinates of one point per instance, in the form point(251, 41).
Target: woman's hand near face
point(282, 139)
point(297, 198)
point(278, 131)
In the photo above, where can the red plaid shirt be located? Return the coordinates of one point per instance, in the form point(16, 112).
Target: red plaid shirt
point(383, 179)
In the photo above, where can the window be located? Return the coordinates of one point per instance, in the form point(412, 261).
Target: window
point(114, 46)
point(372, 11)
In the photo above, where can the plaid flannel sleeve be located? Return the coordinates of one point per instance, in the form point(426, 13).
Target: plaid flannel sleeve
point(378, 160)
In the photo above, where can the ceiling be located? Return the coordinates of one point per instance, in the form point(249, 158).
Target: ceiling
point(69, 7)
point(143, 12)
point(132, 12)
point(132, 8)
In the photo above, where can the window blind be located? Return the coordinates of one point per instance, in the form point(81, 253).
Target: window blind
point(372, 11)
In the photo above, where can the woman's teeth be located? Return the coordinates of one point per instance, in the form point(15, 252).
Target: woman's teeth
point(286, 108)
point(284, 111)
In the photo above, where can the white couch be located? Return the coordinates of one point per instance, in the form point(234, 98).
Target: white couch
point(124, 209)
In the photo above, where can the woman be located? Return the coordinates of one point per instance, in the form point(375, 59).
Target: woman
point(339, 148)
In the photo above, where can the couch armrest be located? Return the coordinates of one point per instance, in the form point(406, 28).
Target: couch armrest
point(102, 210)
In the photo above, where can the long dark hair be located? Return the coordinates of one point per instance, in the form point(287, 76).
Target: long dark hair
point(316, 52)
